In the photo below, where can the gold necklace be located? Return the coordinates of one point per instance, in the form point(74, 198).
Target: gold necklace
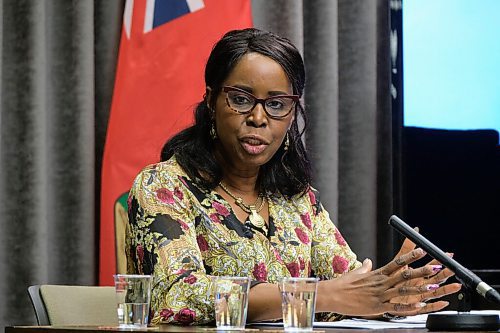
point(255, 218)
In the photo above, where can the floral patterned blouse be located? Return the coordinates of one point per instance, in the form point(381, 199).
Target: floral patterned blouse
point(183, 235)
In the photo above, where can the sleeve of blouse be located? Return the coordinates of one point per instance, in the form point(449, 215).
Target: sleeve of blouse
point(164, 243)
point(331, 255)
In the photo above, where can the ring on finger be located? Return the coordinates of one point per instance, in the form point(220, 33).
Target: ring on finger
point(406, 274)
point(400, 261)
point(389, 316)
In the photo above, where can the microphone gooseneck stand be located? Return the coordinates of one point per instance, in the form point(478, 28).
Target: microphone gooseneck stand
point(461, 321)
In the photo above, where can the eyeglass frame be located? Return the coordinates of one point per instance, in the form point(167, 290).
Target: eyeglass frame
point(261, 101)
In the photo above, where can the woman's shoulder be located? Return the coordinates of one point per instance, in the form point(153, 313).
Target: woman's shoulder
point(307, 200)
point(310, 196)
point(165, 172)
point(165, 168)
point(160, 187)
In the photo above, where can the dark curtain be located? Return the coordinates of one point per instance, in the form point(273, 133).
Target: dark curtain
point(57, 70)
point(57, 66)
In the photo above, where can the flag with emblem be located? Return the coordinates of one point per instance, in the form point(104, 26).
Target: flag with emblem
point(159, 79)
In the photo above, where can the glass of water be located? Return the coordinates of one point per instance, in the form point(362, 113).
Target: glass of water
point(298, 302)
point(231, 302)
point(133, 295)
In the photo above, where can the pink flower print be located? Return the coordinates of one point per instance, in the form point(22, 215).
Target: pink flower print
point(180, 271)
point(312, 197)
point(190, 279)
point(339, 238)
point(165, 196)
point(306, 219)
point(260, 272)
point(183, 224)
point(185, 316)
point(294, 269)
point(139, 251)
point(302, 235)
point(202, 243)
point(215, 218)
point(339, 264)
point(178, 193)
point(277, 255)
point(302, 264)
point(220, 208)
point(166, 313)
point(182, 180)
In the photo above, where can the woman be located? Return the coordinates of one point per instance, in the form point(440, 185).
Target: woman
point(233, 196)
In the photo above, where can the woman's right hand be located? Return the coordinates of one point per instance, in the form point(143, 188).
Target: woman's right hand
point(367, 292)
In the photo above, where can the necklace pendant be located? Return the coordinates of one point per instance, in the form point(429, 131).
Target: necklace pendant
point(256, 219)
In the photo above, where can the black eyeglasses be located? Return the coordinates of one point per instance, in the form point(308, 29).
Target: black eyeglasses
point(276, 107)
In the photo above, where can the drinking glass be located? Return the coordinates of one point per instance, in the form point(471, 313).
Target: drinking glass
point(231, 302)
point(298, 302)
point(133, 295)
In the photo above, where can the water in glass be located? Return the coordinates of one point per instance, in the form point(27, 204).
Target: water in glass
point(231, 309)
point(132, 315)
point(298, 310)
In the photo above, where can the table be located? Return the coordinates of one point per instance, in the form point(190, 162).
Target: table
point(181, 329)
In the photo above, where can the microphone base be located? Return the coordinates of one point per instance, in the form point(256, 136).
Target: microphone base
point(462, 322)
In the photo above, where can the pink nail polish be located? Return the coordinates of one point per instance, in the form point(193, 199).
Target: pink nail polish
point(432, 286)
point(436, 268)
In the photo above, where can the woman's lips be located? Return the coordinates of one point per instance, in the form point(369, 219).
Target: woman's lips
point(253, 145)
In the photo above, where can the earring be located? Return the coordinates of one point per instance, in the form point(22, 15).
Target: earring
point(287, 142)
point(213, 133)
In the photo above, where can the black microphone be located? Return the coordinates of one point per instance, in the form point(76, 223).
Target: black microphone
point(465, 276)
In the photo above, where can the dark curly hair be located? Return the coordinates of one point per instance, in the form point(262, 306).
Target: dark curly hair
point(289, 171)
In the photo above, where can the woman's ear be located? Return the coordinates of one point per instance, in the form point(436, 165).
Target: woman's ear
point(208, 96)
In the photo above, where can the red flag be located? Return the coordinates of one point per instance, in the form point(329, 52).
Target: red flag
point(159, 79)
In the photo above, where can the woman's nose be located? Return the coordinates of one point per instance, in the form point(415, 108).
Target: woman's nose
point(257, 117)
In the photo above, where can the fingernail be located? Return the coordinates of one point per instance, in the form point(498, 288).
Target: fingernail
point(436, 268)
point(432, 286)
point(420, 251)
point(421, 305)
